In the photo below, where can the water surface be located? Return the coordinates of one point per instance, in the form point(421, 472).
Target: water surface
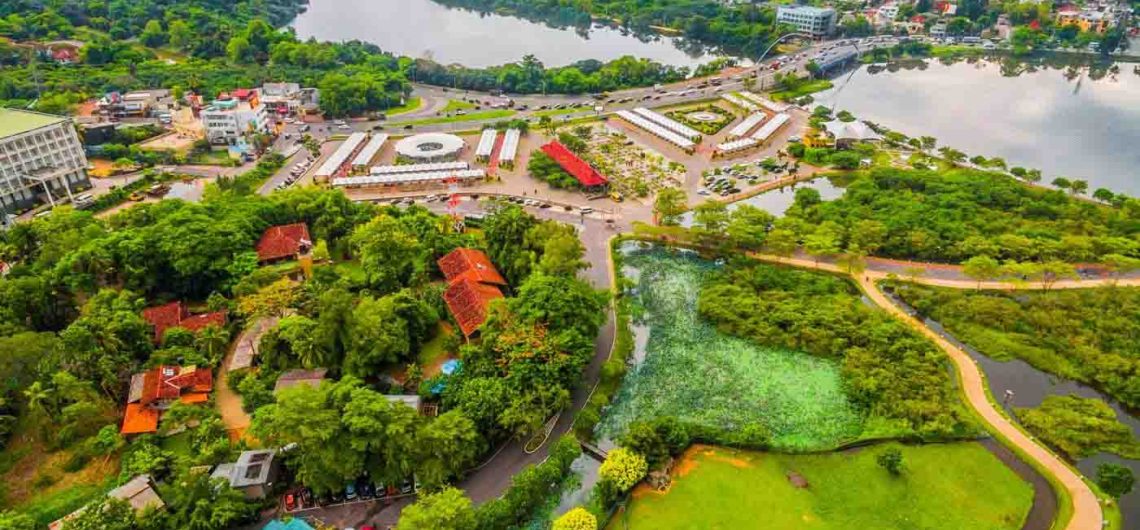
point(1076, 121)
point(422, 28)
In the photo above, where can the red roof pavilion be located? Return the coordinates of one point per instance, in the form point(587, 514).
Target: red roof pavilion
point(284, 241)
point(471, 264)
point(176, 315)
point(576, 167)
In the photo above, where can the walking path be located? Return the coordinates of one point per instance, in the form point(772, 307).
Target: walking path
point(1087, 514)
point(229, 402)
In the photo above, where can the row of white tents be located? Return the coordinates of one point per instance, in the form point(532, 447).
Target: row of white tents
point(657, 130)
point(757, 138)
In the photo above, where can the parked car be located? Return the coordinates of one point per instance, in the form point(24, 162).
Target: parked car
point(307, 496)
point(350, 492)
point(366, 489)
point(290, 502)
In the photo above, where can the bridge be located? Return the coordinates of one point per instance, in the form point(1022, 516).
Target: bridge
point(594, 451)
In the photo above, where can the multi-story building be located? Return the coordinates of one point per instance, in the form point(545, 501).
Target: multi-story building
point(41, 160)
point(289, 98)
point(231, 117)
point(1087, 19)
point(816, 21)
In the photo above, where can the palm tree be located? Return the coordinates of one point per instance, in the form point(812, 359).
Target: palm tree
point(212, 340)
point(40, 398)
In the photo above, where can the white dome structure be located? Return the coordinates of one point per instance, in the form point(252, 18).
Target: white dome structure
point(429, 147)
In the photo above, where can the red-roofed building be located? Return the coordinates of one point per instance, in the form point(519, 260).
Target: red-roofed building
point(155, 390)
point(284, 242)
point(468, 301)
point(470, 264)
point(473, 283)
point(177, 315)
point(587, 176)
point(65, 55)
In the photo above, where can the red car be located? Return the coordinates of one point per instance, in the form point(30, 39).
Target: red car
point(290, 502)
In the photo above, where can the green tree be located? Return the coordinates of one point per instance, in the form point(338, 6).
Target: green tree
point(180, 34)
point(380, 337)
point(388, 253)
point(891, 460)
point(669, 205)
point(106, 514)
point(449, 509)
point(623, 468)
point(1062, 183)
point(748, 226)
point(1079, 187)
point(781, 242)
point(447, 446)
point(10, 520)
point(711, 217)
point(238, 50)
point(559, 303)
point(822, 243)
point(1114, 479)
point(152, 34)
point(981, 268)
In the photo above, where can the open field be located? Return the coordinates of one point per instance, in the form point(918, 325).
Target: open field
point(948, 486)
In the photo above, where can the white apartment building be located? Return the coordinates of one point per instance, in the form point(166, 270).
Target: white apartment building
point(815, 21)
point(41, 160)
point(228, 121)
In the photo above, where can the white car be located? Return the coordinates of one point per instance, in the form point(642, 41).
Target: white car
point(587, 209)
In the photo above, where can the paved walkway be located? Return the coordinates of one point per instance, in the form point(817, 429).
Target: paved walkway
point(1087, 514)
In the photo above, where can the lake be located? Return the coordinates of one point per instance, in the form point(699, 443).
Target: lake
point(422, 28)
point(1068, 121)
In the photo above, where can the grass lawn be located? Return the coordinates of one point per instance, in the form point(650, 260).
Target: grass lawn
point(456, 104)
point(35, 482)
point(211, 158)
point(810, 87)
point(410, 104)
point(947, 486)
point(471, 116)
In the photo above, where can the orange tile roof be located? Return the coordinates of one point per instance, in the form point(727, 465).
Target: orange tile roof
point(194, 397)
point(176, 315)
point(470, 264)
point(283, 241)
point(168, 382)
point(139, 419)
point(468, 301)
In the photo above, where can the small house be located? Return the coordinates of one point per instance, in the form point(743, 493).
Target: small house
point(253, 473)
point(293, 378)
point(155, 390)
point(284, 242)
point(177, 315)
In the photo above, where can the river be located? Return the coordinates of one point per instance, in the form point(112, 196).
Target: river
point(422, 28)
point(1030, 386)
point(1071, 121)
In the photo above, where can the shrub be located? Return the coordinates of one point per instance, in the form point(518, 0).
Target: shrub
point(624, 468)
point(891, 460)
point(576, 519)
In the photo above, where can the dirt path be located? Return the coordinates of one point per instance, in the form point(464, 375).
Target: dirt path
point(1087, 513)
point(229, 402)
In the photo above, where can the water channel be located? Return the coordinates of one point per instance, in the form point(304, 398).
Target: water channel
point(1071, 120)
point(422, 28)
point(1030, 386)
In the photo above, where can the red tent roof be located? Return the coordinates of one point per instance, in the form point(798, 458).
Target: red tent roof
point(468, 301)
point(578, 168)
point(176, 315)
point(283, 241)
point(470, 264)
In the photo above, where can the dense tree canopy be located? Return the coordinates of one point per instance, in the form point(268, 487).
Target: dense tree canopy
point(951, 216)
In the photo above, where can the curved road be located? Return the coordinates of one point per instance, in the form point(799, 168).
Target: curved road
point(1087, 514)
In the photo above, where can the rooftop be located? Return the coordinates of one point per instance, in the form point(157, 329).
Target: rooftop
point(13, 121)
point(471, 264)
point(284, 241)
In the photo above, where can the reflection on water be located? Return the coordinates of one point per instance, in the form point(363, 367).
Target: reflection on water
point(422, 28)
point(1078, 121)
point(1030, 386)
point(777, 201)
